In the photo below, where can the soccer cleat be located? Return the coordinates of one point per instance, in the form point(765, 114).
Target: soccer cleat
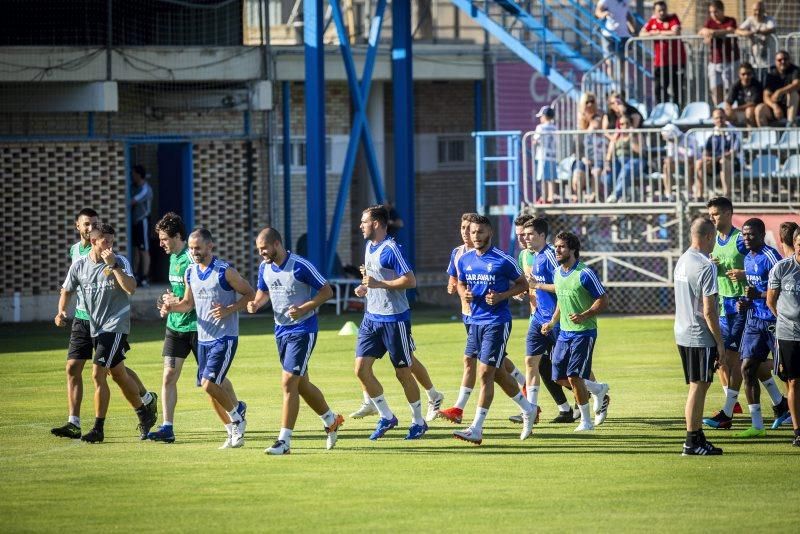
point(242, 409)
point(384, 425)
point(237, 435)
point(93, 436)
point(737, 408)
point(701, 449)
point(366, 408)
point(584, 426)
point(67, 431)
point(600, 398)
point(782, 414)
point(796, 441)
point(751, 432)
point(719, 420)
point(469, 435)
point(600, 417)
point(564, 417)
point(226, 444)
point(164, 433)
point(527, 425)
point(516, 419)
point(278, 448)
point(333, 431)
point(146, 423)
point(433, 407)
point(416, 431)
point(453, 414)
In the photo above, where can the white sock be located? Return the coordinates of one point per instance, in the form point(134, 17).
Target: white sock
point(755, 415)
point(416, 412)
point(480, 417)
point(285, 435)
point(229, 428)
point(772, 388)
point(235, 416)
point(594, 387)
point(147, 398)
point(328, 418)
point(382, 406)
point(518, 376)
point(75, 420)
point(585, 415)
point(432, 393)
point(533, 394)
point(564, 407)
point(463, 397)
point(731, 395)
point(366, 397)
point(166, 423)
point(522, 402)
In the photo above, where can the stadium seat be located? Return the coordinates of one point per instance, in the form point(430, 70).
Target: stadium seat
point(701, 136)
point(790, 168)
point(789, 140)
point(694, 113)
point(760, 140)
point(641, 107)
point(662, 114)
point(763, 166)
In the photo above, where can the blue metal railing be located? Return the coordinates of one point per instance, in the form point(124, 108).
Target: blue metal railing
point(497, 176)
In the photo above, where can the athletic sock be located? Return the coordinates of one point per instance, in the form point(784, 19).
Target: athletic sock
point(99, 423)
point(594, 387)
point(366, 397)
point(382, 406)
point(585, 414)
point(731, 396)
point(564, 407)
point(75, 420)
point(147, 398)
point(166, 423)
point(432, 393)
point(416, 412)
point(773, 390)
point(518, 376)
point(463, 397)
point(229, 428)
point(480, 417)
point(235, 416)
point(755, 415)
point(285, 435)
point(328, 418)
point(522, 402)
point(533, 394)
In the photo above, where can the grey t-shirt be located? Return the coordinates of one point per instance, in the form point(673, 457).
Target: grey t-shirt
point(785, 276)
point(695, 278)
point(107, 304)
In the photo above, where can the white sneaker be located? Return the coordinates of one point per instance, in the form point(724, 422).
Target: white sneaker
point(527, 424)
point(598, 399)
point(600, 415)
point(237, 436)
point(434, 406)
point(367, 408)
point(227, 444)
point(585, 426)
point(278, 448)
point(333, 432)
point(470, 435)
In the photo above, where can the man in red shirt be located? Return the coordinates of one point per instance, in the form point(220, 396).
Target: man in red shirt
point(723, 53)
point(669, 55)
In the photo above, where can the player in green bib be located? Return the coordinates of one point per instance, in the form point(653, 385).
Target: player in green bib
point(581, 297)
point(181, 336)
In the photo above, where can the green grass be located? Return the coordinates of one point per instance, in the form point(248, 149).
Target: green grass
point(626, 476)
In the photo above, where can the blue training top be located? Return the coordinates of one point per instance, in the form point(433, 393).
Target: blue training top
point(494, 270)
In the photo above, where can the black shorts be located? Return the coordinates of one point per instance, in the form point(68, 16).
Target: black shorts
point(699, 363)
point(110, 349)
point(140, 234)
point(787, 364)
point(179, 344)
point(80, 341)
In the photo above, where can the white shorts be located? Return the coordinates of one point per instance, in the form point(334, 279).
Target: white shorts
point(721, 74)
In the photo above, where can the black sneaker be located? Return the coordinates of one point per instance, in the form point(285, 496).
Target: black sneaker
point(148, 421)
point(564, 417)
point(796, 441)
point(67, 431)
point(701, 449)
point(93, 436)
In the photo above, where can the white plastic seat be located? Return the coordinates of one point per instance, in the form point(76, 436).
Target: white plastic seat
point(694, 113)
point(662, 114)
point(760, 140)
point(763, 166)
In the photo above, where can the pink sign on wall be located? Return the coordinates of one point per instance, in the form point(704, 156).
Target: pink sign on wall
point(519, 92)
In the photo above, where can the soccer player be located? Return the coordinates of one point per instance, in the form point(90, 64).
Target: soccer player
point(697, 330)
point(786, 233)
point(105, 281)
point(213, 285)
point(488, 278)
point(387, 322)
point(758, 339)
point(296, 289)
point(181, 335)
point(783, 299)
point(581, 297)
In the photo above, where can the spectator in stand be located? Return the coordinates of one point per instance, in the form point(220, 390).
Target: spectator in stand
point(669, 55)
point(588, 114)
point(623, 162)
point(781, 92)
point(587, 110)
point(589, 162)
point(544, 141)
point(759, 29)
point(723, 50)
point(744, 97)
point(682, 150)
point(617, 28)
point(722, 156)
point(617, 107)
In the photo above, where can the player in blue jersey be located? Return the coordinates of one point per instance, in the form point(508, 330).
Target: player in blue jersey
point(386, 326)
point(488, 277)
point(296, 290)
point(758, 339)
point(212, 288)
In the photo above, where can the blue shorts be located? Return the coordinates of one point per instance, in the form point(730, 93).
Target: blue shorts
point(214, 358)
point(376, 338)
point(732, 327)
point(487, 342)
point(294, 351)
point(758, 339)
point(573, 357)
point(537, 343)
point(546, 171)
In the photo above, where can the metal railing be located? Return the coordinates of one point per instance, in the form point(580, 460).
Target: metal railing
point(791, 43)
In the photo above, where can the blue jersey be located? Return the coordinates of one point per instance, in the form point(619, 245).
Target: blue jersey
point(494, 270)
point(544, 266)
point(384, 261)
point(757, 266)
point(292, 283)
point(452, 270)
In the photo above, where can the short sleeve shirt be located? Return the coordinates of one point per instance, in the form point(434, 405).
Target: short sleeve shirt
point(695, 279)
point(741, 94)
point(776, 80)
point(495, 271)
point(723, 49)
point(668, 51)
point(785, 277)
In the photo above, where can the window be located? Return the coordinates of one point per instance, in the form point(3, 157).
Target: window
point(455, 151)
point(298, 150)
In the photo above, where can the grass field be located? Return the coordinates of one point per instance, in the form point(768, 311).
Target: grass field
point(626, 476)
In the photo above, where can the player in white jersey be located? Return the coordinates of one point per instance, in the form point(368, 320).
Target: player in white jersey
point(213, 285)
point(296, 290)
